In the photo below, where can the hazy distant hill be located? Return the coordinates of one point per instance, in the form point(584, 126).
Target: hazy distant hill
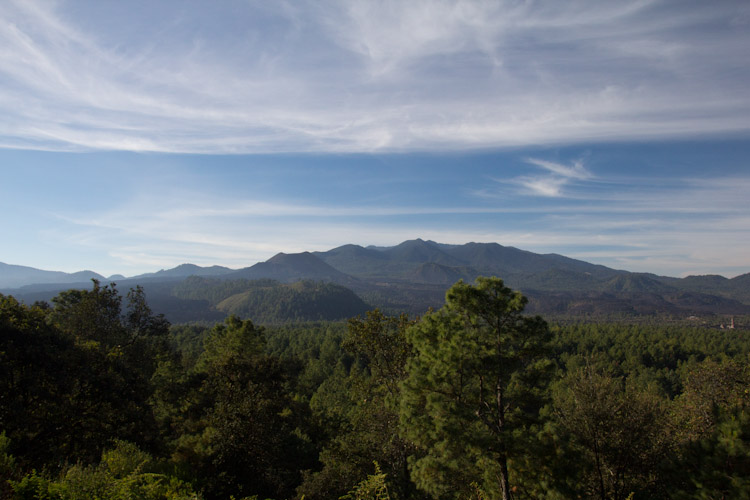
point(12, 276)
point(21, 276)
point(737, 287)
point(412, 277)
point(289, 268)
point(185, 270)
point(510, 260)
point(421, 251)
point(354, 260)
point(405, 262)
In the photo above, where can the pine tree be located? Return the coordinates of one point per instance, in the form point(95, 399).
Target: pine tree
point(475, 383)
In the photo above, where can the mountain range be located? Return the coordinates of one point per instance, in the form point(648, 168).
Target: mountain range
point(411, 277)
point(12, 276)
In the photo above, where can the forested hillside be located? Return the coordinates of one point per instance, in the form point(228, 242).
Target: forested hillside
point(268, 301)
point(102, 398)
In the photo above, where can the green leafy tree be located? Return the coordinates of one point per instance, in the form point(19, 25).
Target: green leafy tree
point(622, 431)
point(124, 473)
point(63, 400)
point(147, 335)
point(713, 418)
point(718, 464)
point(372, 488)
point(96, 317)
point(381, 341)
point(712, 389)
point(91, 315)
point(235, 340)
point(8, 468)
point(241, 432)
point(367, 428)
point(474, 387)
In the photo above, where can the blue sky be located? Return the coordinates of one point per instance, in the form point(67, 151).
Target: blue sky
point(140, 135)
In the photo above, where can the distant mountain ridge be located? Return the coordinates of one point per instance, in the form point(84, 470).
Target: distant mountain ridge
point(485, 258)
point(414, 275)
point(12, 276)
point(185, 270)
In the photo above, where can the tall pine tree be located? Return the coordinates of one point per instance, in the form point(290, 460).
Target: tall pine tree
point(475, 383)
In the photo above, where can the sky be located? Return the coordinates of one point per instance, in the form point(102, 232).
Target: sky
point(136, 136)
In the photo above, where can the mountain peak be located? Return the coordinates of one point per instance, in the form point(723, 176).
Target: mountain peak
point(422, 252)
point(291, 257)
point(287, 267)
point(185, 270)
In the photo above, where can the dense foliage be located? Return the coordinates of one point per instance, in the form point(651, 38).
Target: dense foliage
point(268, 301)
point(101, 398)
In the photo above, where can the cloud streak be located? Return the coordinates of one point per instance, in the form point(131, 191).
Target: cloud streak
point(576, 171)
point(360, 76)
point(551, 185)
point(639, 227)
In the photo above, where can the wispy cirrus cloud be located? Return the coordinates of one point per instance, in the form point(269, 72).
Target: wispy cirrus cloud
point(333, 76)
point(345, 76)
point(551, 184)
point(574, 171)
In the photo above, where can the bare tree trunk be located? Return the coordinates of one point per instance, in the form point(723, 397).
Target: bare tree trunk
point(504, 483)
point(602, 491)
point(503, 459)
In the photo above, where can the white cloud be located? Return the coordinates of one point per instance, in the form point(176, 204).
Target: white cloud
point(576, 171)
point(362, 76)
point(544, 186)
point(550, 185)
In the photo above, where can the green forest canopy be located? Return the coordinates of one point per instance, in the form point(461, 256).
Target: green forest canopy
point(101, 398)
